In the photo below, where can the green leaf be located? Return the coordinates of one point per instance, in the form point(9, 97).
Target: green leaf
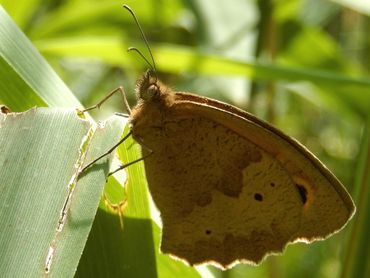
point(26, 79)
point(40, 149)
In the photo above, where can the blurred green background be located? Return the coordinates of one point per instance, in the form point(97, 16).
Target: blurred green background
point(301, 65)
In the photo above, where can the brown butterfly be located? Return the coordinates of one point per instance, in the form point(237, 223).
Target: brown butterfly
point(230, 187)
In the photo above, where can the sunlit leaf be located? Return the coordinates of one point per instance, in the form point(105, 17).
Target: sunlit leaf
point(40, 153)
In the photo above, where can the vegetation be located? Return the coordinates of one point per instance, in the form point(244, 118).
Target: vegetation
point(301, 65)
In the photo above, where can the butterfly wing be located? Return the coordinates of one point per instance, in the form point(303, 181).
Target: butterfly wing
point(307, 171)
point(231, 187)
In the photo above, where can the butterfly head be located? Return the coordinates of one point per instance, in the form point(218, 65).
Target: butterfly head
point(153, 100)
point(148, 87)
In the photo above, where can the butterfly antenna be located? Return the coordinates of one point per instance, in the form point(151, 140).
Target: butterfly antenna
point(152, 66)
point(142, 56)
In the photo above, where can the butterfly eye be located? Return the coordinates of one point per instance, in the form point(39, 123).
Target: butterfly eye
point(153, 90)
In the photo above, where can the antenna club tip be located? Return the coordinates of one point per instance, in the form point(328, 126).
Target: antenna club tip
point(126, 6)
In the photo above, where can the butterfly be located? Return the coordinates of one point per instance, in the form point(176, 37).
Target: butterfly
point(230, 187)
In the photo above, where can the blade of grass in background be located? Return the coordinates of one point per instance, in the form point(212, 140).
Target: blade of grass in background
point(85, 15)
point(351, 90)
point(188, 59)
point(354, 264)
point(21, 11)
point(25, 74)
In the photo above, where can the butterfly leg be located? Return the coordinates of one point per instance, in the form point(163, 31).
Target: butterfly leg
point(120, 90)
point(122, 114)
point(150, 152)
point(119, 207)
point(123, 94)
point(106, 153)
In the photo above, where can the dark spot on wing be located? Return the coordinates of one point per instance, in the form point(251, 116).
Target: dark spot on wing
point(302, 192)
point(258, 197)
